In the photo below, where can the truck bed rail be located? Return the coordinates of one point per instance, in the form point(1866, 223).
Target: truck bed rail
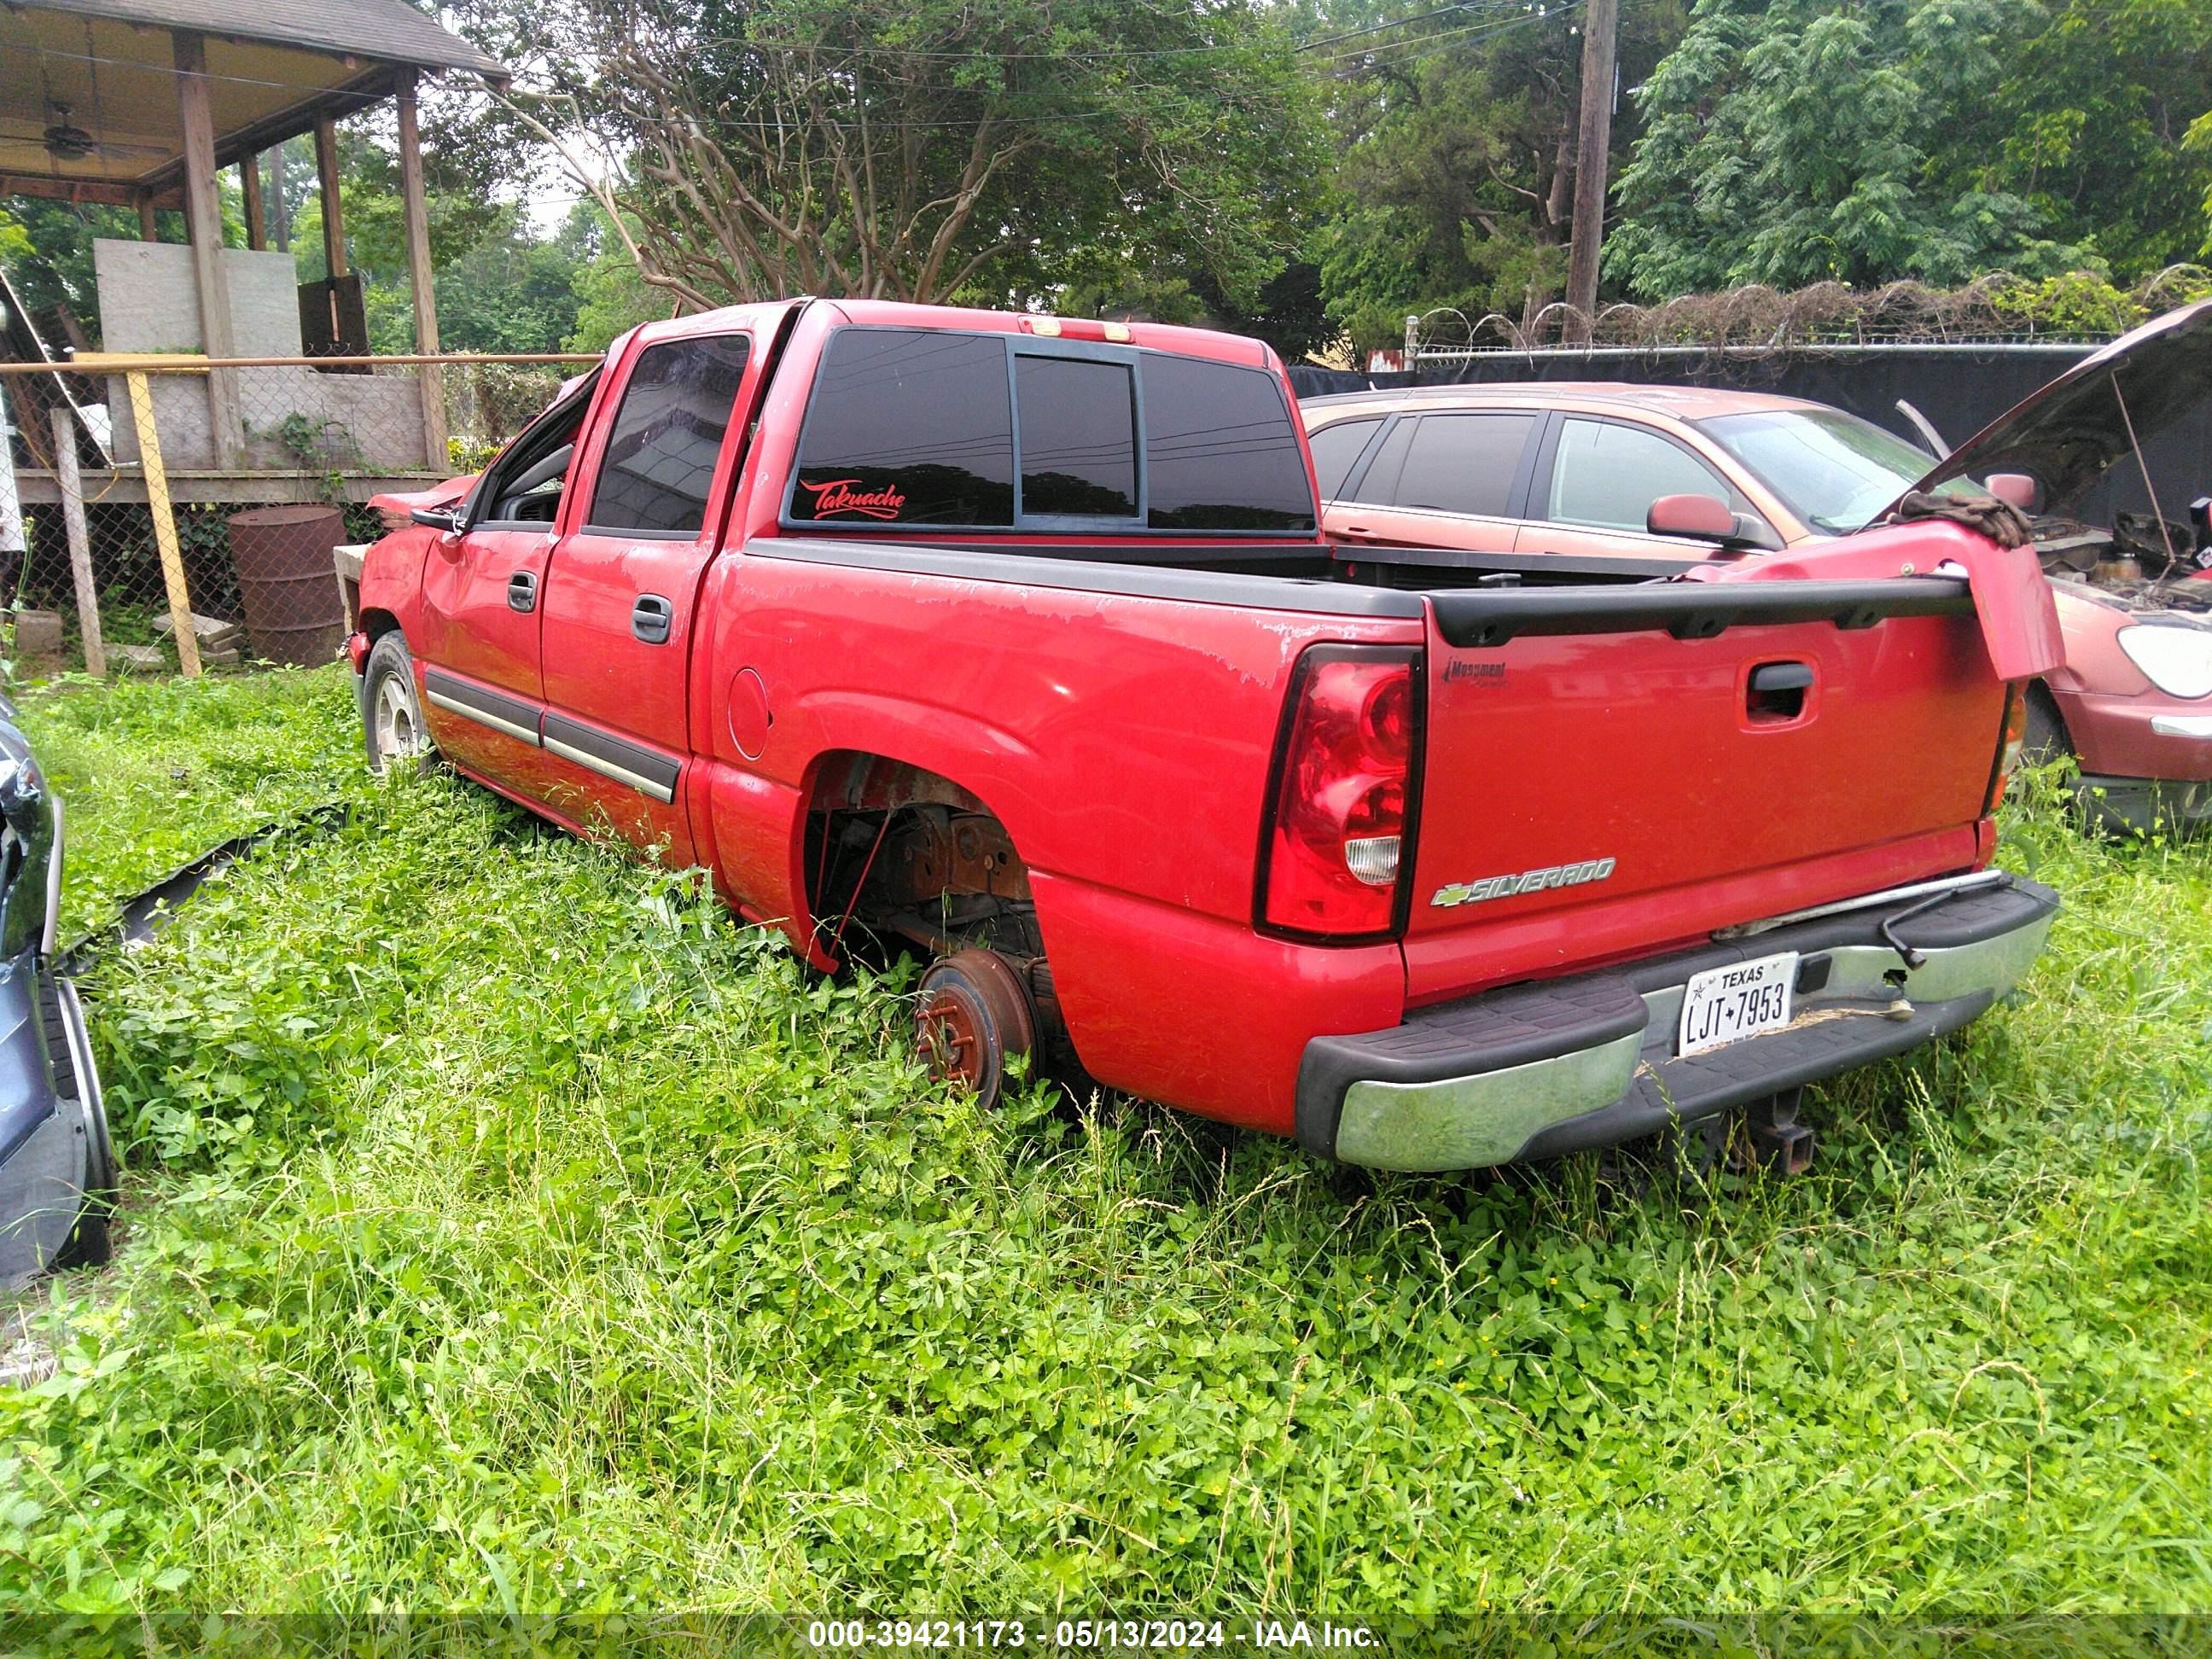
point(1475, 619)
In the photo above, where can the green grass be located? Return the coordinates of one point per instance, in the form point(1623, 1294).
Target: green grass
point(508, 1229)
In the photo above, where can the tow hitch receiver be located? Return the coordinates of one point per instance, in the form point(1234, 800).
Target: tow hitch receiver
point(1778, 1141)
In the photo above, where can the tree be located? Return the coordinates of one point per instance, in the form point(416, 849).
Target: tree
point(989, 149)
point(2098, 105)
point(1456, 157)
point(49, 255)
point(611, 296)
point(1801, 141)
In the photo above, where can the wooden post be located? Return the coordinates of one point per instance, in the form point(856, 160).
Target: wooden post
point(326, 177)
point(15, 546)
point(203, 226)
point(165, 523)
point(1591, 154)
point(150, 228)
point(281, 211)
point(257, 215)
point(415, 208)
point(80, 540)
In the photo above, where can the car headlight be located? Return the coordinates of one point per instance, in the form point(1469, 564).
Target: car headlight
point(2177, 660)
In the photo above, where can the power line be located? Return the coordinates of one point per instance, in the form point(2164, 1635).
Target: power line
point(1396, 22)
point(1103, 54)
point(1425, 47)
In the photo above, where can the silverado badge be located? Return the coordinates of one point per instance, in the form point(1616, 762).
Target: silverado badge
point(1529, 881)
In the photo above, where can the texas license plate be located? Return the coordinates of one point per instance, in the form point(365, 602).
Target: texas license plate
point(1726, 1004)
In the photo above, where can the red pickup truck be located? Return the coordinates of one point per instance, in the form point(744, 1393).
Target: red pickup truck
point(1015, 639)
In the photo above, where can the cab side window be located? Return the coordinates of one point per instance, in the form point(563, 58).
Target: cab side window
point(1606, 476)
point(667, 435)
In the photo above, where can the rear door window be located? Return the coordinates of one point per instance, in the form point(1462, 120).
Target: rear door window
point(1335, 450)
point(1078, 424)
point(1606, 475)
point(1464, 462)
point(1378, 485)
point(667, 435)
point(908, 426)
point(1221, 450)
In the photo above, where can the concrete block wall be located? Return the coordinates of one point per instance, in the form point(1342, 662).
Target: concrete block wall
point(148, 302)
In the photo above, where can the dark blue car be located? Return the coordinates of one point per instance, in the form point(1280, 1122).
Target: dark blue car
point(57, 1166)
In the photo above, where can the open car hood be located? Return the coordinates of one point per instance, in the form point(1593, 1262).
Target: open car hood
point(2067, 432)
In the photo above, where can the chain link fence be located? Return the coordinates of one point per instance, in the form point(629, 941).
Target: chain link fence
point(184, 515)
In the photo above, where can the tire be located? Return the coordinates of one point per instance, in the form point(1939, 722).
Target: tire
point(971, 1016)
point(2045, 739)
point(391, 714)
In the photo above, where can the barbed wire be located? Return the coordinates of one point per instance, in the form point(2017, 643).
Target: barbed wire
point(1995, 309)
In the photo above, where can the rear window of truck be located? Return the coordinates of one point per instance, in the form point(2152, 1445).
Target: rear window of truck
point(929, 428)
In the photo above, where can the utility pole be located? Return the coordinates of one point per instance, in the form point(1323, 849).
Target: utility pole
point(1599, 29)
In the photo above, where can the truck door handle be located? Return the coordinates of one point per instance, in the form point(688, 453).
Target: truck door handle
point(522, 590)
point(650, 618)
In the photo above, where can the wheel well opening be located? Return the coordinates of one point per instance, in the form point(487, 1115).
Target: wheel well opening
point(377, 624)
point(900, 853)
point(899, 858)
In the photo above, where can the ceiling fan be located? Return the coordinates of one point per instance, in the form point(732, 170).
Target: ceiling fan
point(65, 140)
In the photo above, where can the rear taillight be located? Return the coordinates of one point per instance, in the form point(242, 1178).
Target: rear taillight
point(1339, 840)
point(2010, 737)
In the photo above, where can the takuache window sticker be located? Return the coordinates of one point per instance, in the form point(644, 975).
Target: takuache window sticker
point(837, 496)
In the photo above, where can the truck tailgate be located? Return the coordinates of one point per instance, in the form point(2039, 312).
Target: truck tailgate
point(1610, 771)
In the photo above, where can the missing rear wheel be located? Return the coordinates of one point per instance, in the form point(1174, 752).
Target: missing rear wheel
point(971, 1016)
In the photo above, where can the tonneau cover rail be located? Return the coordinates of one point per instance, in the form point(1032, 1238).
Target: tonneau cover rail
point(1689, 611)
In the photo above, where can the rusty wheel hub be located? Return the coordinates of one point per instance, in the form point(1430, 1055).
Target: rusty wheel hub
point(949, 1037)
point(971, 1016)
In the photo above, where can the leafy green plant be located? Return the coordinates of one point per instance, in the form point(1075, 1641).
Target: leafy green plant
point(507, 1229)
point(2082, 304)
point(466, 454)
point(317, 446)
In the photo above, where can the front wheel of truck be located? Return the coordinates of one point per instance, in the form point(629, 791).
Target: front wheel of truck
point(391, 714)
point(971, 1018)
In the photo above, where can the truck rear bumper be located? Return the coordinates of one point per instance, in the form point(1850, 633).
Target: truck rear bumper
point(1535, 1071)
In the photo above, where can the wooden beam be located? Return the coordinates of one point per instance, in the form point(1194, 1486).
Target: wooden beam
point(283, 211)
point(326, 178)
point(79, 541)
point(256, 213)
point(103, 192)
point(364, 91)
point(165, 525)
point(414, 210)
point(38, 488)
point(150, 228)
point(14, 548)
point(203, 228)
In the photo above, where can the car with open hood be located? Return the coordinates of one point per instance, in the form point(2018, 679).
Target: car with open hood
point(1565, 479)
